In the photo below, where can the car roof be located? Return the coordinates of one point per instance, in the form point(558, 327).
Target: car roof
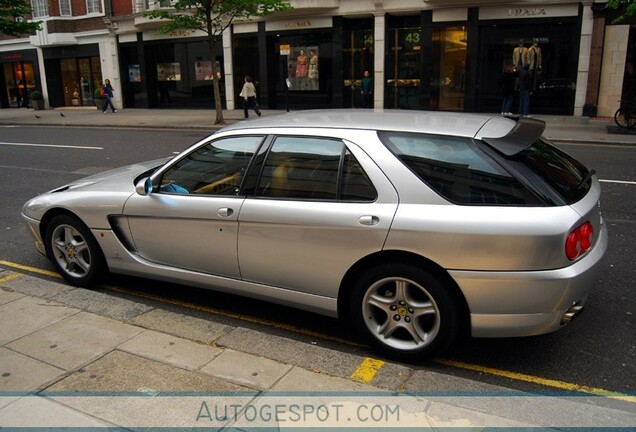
point(432, 122)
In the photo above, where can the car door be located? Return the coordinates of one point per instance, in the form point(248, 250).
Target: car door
point(320, 205)
point(191, 222)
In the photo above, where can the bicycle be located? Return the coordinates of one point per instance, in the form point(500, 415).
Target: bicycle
point(625, 117)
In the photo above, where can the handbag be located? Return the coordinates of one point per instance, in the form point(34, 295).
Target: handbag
point(102, 92)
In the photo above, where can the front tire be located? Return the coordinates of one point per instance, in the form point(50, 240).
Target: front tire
point(405, 311)
point(74, 251)
point(625, 118)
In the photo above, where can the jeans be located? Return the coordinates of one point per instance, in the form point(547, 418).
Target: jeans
point(506, 106)
point(524, 102)
point(250, 103)
point(108, 101)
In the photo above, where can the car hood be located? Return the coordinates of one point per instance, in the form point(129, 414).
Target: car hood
point(92, 198)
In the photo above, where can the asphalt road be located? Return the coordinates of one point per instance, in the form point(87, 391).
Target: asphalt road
point(598, 350)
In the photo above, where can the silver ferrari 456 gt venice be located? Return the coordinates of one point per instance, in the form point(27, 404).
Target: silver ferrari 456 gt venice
point(413, 226)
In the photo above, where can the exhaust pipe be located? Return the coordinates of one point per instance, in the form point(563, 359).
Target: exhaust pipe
point(571, 313)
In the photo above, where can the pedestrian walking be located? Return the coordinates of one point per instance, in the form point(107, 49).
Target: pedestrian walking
point(525, 85)
point(248, 93)
point(107, 91)
point(366, 85)
point(507, 86)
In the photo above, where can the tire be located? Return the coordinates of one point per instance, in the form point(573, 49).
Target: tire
point(74, 251)
point(404, 311)
point(624, 118)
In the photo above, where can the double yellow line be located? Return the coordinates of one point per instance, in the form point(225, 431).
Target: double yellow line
point(369, 368)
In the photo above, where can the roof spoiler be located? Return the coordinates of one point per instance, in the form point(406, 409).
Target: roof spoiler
point(520, 137)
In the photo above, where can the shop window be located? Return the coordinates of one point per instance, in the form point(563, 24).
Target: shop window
point(19, 82)
point(40, 8)
point(449, 68)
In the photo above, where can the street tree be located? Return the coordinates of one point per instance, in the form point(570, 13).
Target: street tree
point(212, 17)
point(12, 13)
point(625, 7)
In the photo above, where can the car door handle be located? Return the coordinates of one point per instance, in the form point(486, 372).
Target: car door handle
point(225, 212)
point(369, 220)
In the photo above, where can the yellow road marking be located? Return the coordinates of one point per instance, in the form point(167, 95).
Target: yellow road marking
point(30, 269)
point(562, 385)
point(367, 366)
point(10, 277)
point(367, 370)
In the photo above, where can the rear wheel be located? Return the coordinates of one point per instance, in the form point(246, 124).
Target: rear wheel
point(74, 251)
point(405, 311)
point(625, 118)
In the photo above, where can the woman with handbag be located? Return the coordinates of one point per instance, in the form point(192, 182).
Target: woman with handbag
point(107, 92)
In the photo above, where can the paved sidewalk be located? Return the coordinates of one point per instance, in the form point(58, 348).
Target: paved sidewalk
point(558, 128)
point(85, 358)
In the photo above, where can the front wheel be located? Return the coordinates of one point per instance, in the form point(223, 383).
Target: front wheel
point(74, 251)
point(405, 311)
point(625, 118)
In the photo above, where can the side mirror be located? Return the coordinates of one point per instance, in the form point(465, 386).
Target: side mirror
point(144, 186)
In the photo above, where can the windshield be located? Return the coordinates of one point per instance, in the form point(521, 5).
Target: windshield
point(564, 174)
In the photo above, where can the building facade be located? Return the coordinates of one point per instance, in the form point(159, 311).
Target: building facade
point(421, 54)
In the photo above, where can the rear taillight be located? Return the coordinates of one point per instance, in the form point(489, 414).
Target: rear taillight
point(579, 241)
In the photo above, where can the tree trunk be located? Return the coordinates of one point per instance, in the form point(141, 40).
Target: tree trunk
point(215, 84)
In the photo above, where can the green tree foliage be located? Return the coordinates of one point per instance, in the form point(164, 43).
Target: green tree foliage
point(11, 18)
point(625, 7)
point(212, 17)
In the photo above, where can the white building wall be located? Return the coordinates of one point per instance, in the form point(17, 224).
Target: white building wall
point(613, 69)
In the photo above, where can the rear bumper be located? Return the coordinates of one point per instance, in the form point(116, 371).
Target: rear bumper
point(510, 304)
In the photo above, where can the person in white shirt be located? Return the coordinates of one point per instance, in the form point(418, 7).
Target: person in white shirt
point(248, 93)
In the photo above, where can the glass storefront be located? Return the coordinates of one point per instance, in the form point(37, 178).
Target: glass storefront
point(549, 49)
point(357, 57)
point(403, 70)
point(448, 83)
point(19, 81)
point(169, 74)
point(80, 77)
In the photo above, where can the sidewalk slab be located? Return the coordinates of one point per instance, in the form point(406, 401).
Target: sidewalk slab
point(245, 369)
point(183, 326)
point(19, 373)
point(36, 287)
point(171, 350)
point(8, 295)
point(38, 412)
point(120, 371)
point(30, 314)
point(75, 341)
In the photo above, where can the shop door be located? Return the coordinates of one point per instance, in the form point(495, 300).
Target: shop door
point(449, 69)
point(403, 70)
point(19, 81)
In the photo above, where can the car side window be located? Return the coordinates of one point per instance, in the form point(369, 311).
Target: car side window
point(216, 168)
point(313, 169)
point(457, 170)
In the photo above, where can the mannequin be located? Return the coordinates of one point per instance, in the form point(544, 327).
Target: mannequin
point(519, 56)
point(533, 59)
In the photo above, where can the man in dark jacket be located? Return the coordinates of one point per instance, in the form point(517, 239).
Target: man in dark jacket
point(525, 85)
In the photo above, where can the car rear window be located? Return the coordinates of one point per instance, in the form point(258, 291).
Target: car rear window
point(566, 176)
point(458, 170)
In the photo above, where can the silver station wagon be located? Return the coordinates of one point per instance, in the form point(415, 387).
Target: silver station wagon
point(412, 226)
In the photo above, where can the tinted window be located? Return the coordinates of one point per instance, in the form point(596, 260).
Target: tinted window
point(313, 168)
point(216, 168)
point(564, 174)
point(458, 170)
